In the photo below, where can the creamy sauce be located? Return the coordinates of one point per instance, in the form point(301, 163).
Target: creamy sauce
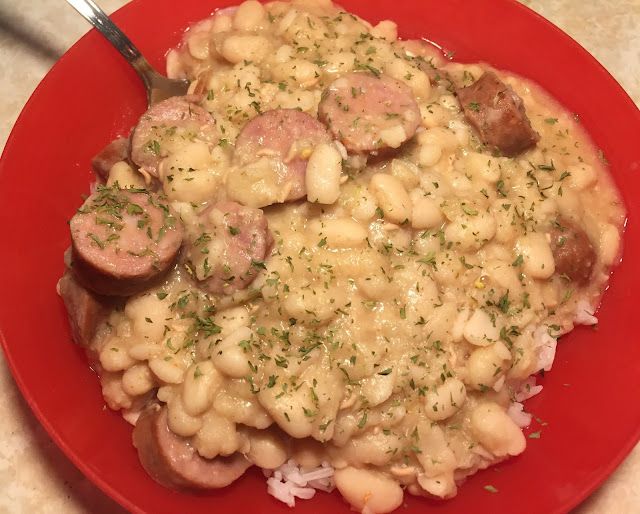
point(390, 330)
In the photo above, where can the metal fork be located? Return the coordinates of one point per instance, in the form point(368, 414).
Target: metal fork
point(158, 86)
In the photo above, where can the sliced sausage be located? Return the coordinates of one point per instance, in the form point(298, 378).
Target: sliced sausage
point(173, 462)
point(123, 241)
point(166, 124)
point(227, 251)
point(368, 112)
point(498, 114)
point(573, 252)
point(85, 309)
point(287, 135)
point(116, 151)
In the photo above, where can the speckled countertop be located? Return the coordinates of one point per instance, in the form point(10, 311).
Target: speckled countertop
point(35, 477)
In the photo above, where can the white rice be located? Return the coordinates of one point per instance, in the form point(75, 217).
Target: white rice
point(528, 389)
point(518, 415)
point(546, 347)
point(289, 482)
point(584, 314)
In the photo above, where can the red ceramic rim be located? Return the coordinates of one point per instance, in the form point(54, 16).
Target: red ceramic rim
point(90, 96)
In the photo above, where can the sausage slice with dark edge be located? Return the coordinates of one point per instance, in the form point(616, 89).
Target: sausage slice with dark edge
point(573, 253)
point(166, 124)
point(367, 112)
point(116, 151)
point(228, 250)
point(85, 309)
point(498, 114)
point(123, 241)
point(173, 462)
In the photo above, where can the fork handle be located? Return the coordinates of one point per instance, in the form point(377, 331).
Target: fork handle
point(98, 18)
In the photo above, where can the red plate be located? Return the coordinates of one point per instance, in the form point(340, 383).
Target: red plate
point(90, 96)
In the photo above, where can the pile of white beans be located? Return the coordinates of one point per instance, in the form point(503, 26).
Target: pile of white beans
point(391, 326)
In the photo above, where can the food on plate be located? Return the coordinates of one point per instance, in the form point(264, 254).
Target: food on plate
point(342, 258)
point(272, 152)
point(85, 309)
point(123, 240)
point(225, 245)
point(496, 111)
point(116, 151)
point(172, 461)
point(368, 112)
point(166, 126)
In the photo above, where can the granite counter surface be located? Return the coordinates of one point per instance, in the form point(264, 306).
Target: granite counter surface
point(35, 477)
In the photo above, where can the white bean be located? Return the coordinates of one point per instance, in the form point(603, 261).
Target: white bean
point(221, 23)
point(609, 247)
point(340, 62)
point(364, 207)
point(426, 213)
point(482, 166)
point(480, 330)
point(245, 47)
point(145, 351)
point(302, 71)
point(442, 486)
point(137, 380)
point(114, 356)
point(439, 137)
point(339, 233)
point(125, 176)
point(217, 436)
point(323, 174)
point(232, 319)
point(394, 136)
point(201, 382)
point(179, 421)
point(486, 365)
point(434, 115)
point(446, 400)
point(250, 15)
point(392, 197)
point(495, 430)
point(407, 172)
point(429, 155)
point(386, 29)
point(284, 53)
point(268, 450)
point(537, 255)
point(198, 44)
point(371, 489)
point(147, 312)
point(229, 358)
point(471, 232)
point(435, 456)
point(416, 79)
point(166, 371)
point(377, 388)
point(581, 176)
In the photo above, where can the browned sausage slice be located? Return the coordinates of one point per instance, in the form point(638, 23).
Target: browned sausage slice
point(367, 112)
point(85, 310)
point(116, 151)
point(498, 114)
point(166, 124)
point(173, 462)
point(123, 240)
point(289, 136)
point(573, 252)
point(227, 252)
